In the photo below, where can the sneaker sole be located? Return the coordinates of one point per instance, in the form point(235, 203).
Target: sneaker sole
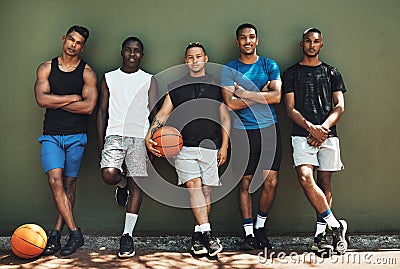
point(216, 252)
point(247, 247)
point(320, 250)
point(199, 252)
point(126, 255)
point(341, 246)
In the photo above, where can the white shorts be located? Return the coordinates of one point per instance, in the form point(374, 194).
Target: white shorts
point(326, 157)
point(125, 153)
point(194, 162)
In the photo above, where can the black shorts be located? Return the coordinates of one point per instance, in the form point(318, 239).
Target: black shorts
point(259, 149)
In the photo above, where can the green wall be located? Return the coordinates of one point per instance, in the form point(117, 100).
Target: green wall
point(361, 39)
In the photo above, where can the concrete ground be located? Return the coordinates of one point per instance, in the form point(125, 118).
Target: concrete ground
point(366, 251)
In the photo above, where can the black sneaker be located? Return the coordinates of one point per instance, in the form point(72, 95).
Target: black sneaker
point(262, 239)
point(53, 243)
point(339, 237)
point(198, 247)
point(121, 195)
point(126, 247)
point(212, 243)
point(75, 241)
point(249, 243)
point(321, 244)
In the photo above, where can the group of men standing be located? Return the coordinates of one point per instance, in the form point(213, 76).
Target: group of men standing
point(248, 87)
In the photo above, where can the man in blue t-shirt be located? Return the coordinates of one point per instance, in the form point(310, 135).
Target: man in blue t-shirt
point(251, 84)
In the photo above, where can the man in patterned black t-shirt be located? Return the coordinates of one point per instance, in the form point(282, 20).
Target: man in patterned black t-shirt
point(313, 95)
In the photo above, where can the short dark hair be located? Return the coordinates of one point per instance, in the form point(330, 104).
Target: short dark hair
point(245, 25)
point(195, 45)
point(133, 39)
point(311, 30)
point(83, 31)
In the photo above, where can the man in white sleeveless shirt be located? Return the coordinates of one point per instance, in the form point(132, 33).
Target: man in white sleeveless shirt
point(127, 95)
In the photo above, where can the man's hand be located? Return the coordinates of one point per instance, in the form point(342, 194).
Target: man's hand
point(222, 155)
point(239, 91)
point(150, 143)
point(312, 141)
point(318, 132)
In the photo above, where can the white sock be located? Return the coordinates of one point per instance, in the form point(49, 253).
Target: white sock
point(260, 222)
point(123, 182)
point(332, 221)
point(321, 227)
point(197, 229)
point(130, 222)
point(206, 227)
point(248, 230)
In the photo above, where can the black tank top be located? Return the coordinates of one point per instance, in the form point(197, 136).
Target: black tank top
point(58, 121)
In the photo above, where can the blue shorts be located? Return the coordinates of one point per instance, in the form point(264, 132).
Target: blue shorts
point(63, 151)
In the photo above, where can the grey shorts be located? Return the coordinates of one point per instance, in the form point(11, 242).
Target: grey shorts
point(194, 162)
point(326, 157)
point(128, 151)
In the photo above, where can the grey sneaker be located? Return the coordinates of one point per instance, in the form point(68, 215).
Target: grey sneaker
point(339, 237)
point(212, 244)
point(126, 247)
point(198, 247)
point(249, 243)
point(75, 240)
point(262, 239)
point(321, 244)
point(53, 243)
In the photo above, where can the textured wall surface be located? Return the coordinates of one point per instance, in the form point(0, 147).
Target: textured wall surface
point(361, 39)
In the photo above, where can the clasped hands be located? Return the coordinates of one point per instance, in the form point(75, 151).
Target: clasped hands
point(317, 135)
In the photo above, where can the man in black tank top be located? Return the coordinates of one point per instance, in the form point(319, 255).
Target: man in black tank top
point(198, 105)
point(67, 87)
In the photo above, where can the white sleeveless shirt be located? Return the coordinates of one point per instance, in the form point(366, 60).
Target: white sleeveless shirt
point(128, 109)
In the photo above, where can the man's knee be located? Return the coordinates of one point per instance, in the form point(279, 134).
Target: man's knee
point(111, 175)
point(206, 191)
point(306, 181)
point(271, 184)
point(55, 178)
point(270, 180)
point(245, 183)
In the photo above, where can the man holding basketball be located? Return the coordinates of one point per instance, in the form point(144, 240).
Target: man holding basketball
point(197, 101)
point(251, 84)
point(127, 94)
point(67, 87)
point(313, 95)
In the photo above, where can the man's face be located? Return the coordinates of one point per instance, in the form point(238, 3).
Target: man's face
point(132, 53)
point(196, 59)
point(247, 41)
point(74, 43)
point(312, 44)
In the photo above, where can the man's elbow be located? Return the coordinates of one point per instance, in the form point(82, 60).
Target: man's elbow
point(41, 102)
point(89, 110)
point(276, 99)
point(231, 105)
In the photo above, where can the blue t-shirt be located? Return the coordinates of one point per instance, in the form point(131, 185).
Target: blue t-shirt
point(252, 77)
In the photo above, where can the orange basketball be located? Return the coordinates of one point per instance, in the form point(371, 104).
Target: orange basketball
point(28, 241)
point(169, 141)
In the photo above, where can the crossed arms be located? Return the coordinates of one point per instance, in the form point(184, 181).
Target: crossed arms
point(74, 103)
